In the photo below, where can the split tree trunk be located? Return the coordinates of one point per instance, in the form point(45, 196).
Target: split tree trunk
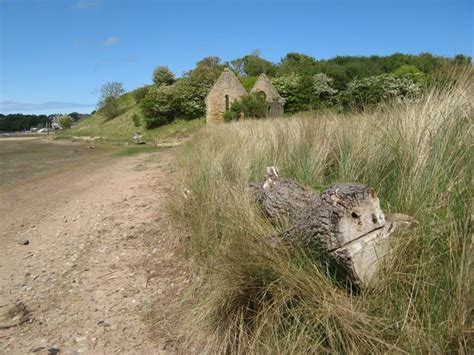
point(345, 222)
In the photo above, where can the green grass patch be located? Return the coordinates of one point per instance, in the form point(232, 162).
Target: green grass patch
point(135, 150)
point(121, 128)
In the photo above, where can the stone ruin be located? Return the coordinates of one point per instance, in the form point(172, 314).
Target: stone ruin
point(275, 103)
point(228, 88)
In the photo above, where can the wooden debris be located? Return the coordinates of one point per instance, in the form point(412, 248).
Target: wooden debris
point(345, 222)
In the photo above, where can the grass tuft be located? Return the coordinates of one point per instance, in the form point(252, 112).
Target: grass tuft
point(251, 297)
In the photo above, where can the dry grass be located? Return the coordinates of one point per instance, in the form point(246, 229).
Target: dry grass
point(252, 298)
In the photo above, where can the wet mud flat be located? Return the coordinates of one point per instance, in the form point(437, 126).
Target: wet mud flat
point(28, 157)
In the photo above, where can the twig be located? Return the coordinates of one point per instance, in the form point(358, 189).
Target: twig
point(13, 325)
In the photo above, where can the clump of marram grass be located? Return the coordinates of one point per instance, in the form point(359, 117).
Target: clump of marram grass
point(255, 298)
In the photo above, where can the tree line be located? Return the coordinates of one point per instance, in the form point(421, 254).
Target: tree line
point(306, 83)
point(17, 122)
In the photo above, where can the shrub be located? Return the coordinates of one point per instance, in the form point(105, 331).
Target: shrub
point(65, 122)
point(249, 106)
point(410, 72)
point(110, 108)
point(248, 82)
point(136, 120)
point(159, 106)
point(291, 89)
point(190, 95)
point(323, 94)
point(368, 92)
point(140, 93)
point(163, 76)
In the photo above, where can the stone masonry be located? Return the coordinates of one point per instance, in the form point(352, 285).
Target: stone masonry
point(225, 90)
point(228, 88)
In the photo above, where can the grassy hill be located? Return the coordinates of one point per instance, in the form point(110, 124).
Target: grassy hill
point(121, 128)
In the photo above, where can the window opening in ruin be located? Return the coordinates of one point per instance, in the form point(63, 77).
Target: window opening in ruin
point(227, 103)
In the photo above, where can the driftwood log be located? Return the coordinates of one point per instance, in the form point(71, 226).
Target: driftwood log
point(345, 223)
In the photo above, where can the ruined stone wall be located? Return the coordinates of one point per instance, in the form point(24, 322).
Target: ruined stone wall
point(275, 109)
point(275, 102)
point(227, 85)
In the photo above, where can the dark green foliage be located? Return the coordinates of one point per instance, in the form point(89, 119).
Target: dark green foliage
point(159, 106)
point(76, 116)
point(296, 90)
point(248, 82)
point(185, 98)
point(65, 122)
point(108, 105)
point(249, 106)
point(410, 71)
point(371, 91)
point(297, 63)
point(162, 75)
point(254, 66)
point(136, 120)
point(140, 93)
point(462, 59)
point(193, 88)
point(19, 122)
point(110, 108)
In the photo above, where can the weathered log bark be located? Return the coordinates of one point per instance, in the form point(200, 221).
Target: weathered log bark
point(281, 199)
point(345, 222)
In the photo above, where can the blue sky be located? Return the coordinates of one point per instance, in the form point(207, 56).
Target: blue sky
point(56, 54)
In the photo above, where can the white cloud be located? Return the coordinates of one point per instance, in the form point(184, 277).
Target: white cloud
point(110, 41)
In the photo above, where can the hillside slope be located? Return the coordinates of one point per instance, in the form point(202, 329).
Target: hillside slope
point(121, 128)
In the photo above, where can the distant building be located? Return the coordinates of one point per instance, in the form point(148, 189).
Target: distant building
point(275, 103)
point(228, 88)
point(224, 92)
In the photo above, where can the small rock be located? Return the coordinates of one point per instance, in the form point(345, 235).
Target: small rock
point(103, 323)
point(24, 242)
point(80, 339)
point(53, 351)
point(37, 349)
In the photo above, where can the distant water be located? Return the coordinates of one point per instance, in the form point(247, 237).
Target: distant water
point(23, 158)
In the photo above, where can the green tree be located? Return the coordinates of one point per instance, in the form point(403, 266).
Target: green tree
point(367, 92)
point(323, 94)
point(410, 71)
point(461, 59)
point(297, 63)
point(65, 122)
point(160, 106)
point(191, 90)
point(296, 90)
point(108, 104)
point(110, 108)
point(162, 75)
point(254, 66)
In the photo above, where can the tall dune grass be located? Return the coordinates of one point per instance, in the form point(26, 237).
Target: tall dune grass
point(250, 297)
